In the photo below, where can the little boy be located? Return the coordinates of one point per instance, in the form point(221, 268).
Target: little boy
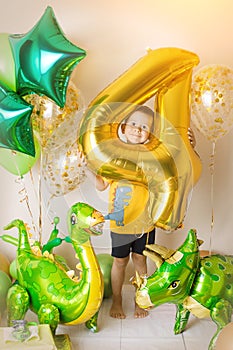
point(136, 129)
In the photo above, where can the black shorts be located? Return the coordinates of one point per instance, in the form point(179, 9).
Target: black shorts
point(123, 244)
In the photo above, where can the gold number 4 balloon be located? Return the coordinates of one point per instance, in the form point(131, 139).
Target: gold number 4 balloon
point(167, 166)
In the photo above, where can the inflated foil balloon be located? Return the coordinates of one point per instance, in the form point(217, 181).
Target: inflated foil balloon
point(52, 124)
point(212, 101)
point(43, 59)
point(105, 261)
point(15, 125)
point(7, 63)
point(43, 283)
point(40, 61)
point(201, 286)
point(160, 173)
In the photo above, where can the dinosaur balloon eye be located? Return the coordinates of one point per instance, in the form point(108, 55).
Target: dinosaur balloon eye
point(174, 284)
point(73, 219)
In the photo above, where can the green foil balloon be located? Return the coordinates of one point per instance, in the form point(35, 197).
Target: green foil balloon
point(38, 62)
point(44, 59)
point(201, 286)
point(55, 294)
point(105, 262)
point(13, 270)
point(15, 125)
point(7, 64)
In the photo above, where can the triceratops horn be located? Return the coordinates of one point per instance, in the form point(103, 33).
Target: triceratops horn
point(137, 280)
point(158, 260)
point(164, 252)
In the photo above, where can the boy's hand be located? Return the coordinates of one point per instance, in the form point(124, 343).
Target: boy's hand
point(100, 183)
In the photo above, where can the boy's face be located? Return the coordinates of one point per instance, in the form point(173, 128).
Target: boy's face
point(138, 127)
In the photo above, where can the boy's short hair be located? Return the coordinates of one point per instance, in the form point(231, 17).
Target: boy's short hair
point(139, 108)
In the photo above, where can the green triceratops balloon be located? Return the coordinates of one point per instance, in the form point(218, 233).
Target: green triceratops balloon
point(202, 286)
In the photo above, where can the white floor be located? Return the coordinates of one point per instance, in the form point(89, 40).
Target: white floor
point(154, 332)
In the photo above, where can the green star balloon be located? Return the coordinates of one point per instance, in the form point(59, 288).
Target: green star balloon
point(40, 61)
point(15, 126)
point(44, 59)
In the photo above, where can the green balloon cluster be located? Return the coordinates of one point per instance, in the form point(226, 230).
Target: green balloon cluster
point(38, 62)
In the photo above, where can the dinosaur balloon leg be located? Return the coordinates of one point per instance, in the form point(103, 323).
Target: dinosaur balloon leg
point(17, 303)
point(49, 314)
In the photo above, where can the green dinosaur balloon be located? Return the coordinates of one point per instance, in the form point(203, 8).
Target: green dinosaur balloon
point(45, 285)
point(202, 286)
point(106, 260)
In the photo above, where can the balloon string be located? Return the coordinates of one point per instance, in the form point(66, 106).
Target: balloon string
point(25, 199)
point(50, 212)
point(212, 160)
point(23, 190)
point(40, 219)
point(36, 196)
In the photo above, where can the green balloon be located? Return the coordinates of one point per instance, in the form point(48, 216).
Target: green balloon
point(5, 284)
point(105, 262)
point(41, 62)
point(44, 59)
point(13, 269)
point(15, 126)
point(7, 64)
point(18, 163)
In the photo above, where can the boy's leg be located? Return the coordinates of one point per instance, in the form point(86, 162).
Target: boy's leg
point(117, 277)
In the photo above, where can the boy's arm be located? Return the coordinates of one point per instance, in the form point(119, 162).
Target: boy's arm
point(100, 183)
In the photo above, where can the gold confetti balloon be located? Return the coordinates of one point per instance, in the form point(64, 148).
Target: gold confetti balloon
point(53, 125)
point(63, 169)
point(212, 101)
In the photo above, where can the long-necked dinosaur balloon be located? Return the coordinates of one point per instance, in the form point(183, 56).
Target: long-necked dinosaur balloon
point(45, 285)
point(201, 286)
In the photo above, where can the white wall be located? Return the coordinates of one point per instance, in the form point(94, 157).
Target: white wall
point(115, 35)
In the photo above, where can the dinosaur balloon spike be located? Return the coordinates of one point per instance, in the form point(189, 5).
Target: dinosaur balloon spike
point(201, 286)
